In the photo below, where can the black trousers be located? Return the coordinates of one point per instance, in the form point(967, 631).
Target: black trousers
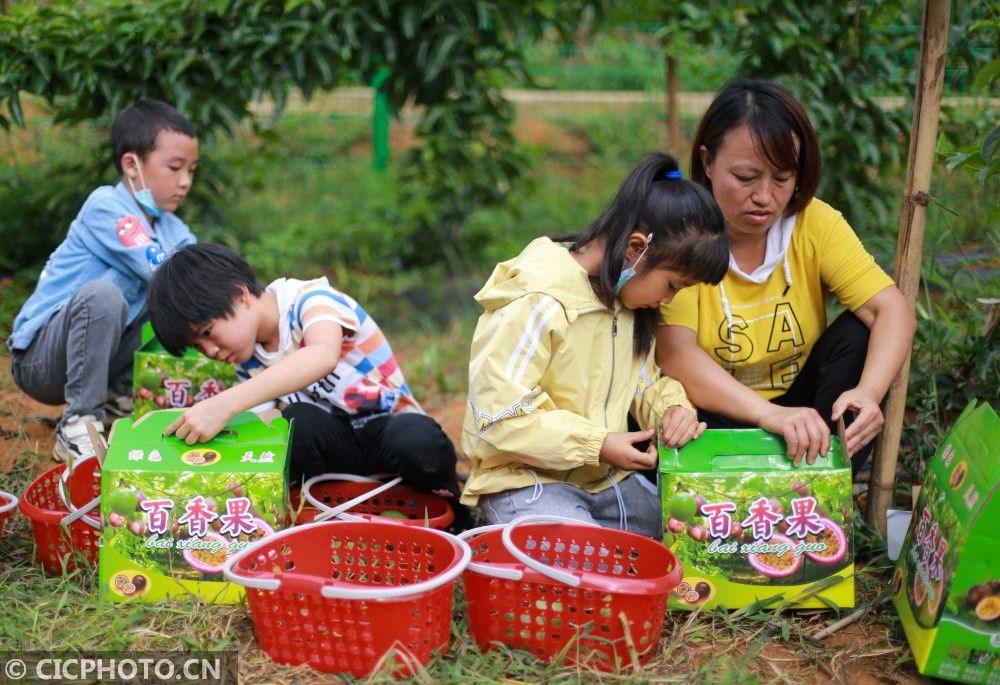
point(412, 445)
point(834, 366)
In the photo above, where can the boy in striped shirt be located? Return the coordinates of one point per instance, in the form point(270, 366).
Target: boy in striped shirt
point(314, 350)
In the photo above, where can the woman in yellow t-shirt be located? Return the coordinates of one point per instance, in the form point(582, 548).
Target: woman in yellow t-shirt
point(755, 350)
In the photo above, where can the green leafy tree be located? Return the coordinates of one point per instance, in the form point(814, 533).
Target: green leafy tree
point(215, 59)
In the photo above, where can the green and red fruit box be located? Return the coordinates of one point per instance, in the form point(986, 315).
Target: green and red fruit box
point(747, 526)
point(946, 586)
point(163, 381)
point(173, 512)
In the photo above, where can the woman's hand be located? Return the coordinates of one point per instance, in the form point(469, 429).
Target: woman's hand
point(619, 450)
point(680, 425)
point(805, 432)
point(868, 417)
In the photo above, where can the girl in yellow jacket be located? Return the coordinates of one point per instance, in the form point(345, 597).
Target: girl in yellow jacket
point(563, 354)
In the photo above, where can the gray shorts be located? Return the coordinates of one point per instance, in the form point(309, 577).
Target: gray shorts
point(633, 506)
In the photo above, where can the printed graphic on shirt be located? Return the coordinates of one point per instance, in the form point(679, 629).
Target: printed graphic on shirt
point(486, 420)
point(132, 232)
point(155, 256)
point(781, 330)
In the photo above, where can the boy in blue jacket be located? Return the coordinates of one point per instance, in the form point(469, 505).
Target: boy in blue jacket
point(74, 338)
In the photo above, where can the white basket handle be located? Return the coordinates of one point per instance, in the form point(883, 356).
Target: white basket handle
point(338, 511)
point(372, 592)
point(75, 514)
point(485, 568)
point(10, 505)
point(555, 574)
point(80, 513)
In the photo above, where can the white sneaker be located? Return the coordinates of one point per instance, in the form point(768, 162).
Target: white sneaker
point(73, 439)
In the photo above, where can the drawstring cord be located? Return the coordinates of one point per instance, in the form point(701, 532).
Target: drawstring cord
point(537, 492)
point(622, 514)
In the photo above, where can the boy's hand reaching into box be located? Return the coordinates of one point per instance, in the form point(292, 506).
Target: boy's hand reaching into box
point(203, 421)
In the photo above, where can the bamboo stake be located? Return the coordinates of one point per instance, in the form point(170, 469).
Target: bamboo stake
point(909, 248)
point(673, 109)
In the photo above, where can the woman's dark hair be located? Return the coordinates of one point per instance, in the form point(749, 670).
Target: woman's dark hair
point(688, 231)
point(198, 284)
point(135, 128)
point(775, 121)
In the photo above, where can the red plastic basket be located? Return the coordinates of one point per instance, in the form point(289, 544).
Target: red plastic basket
point(352, 596)
point(61, 537)
point(568, 591)
point(331, 491)
point(8, 505)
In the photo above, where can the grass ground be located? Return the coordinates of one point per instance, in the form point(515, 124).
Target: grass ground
point(764, 645)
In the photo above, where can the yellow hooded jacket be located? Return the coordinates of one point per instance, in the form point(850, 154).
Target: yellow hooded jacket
point(552, 371)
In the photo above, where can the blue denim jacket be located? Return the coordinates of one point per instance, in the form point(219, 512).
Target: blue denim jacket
point(110, 240)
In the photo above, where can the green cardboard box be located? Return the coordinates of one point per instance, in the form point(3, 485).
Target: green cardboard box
point(163, 381)
point(749, 526)
point(946, 586)
point(173, 512)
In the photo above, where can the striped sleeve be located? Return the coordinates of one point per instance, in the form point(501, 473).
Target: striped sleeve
point(322, 303)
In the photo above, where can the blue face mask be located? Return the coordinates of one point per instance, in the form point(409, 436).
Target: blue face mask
point(629, 273)
point(145, 196)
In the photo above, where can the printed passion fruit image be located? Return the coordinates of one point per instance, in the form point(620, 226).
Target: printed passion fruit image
point(897, 582)
point(984, 600)
point(209, 560)
point(777, 565)
point(263, 530)
point(836, 544)
point(958, 475)
point(695, 591)
point(200, 457)
point(129, 583)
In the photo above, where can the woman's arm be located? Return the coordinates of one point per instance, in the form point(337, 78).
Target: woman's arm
point(709, 387)
point(892, 326)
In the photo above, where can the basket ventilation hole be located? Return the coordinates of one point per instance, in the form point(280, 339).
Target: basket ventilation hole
point(589, 611)
point(605, 612)
point(557, 623)
point(335, 558)
point(509, 617)
point(617, 570)
point(602, 567)
point(289, 565)
point(633, 571)
point(286, 550)
point(574, 548)
point(604, 551)
point(541, 605)
point(540, 635)
point(540, 620)
point(588, 550)
point(525, 634)
point(300, 597)
point(560, 547)
point(335, 543)
point(546, 545)
point(633, 553)
point(276, 570)
point(350, 544)
point(525, 618)
point(304, 611)
point(557, 606)
point(530, 543)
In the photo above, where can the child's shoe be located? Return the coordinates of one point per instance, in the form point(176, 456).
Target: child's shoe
point(73, 439)
point(117, 406)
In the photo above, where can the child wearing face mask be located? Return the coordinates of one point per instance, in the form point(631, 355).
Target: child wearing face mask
point(563, 355)
point(73, 340)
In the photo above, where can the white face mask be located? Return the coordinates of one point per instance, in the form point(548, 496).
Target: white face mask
point(629, 273)
point(144, 196)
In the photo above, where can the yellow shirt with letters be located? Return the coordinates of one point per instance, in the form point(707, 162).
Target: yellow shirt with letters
point(774, 324)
